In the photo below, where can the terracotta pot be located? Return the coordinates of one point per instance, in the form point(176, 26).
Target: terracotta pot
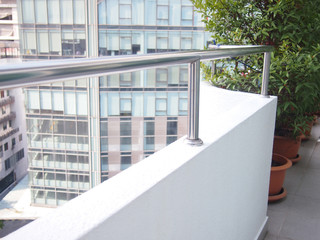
point(305, 135)
point(287, 147)
point(278, 173)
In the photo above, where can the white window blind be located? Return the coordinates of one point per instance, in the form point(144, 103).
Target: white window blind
point(41, 15)
point(33, 99)
point(53, 11)
point(70, 103)
point(55, 41)
point(43, 42)
point(66, 11)
point(45, 100)
point(82, 103)
point(113, 41)
point(149, 105)
point(79, 16)
point(57, 100)
point(113, 104)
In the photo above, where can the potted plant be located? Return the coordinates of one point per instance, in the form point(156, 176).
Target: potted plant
point(277, 175)
point(293, 28)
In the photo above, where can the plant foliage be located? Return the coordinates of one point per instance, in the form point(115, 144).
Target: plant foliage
point(293, 28)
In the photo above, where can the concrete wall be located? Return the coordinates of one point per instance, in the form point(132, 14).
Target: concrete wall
point(216, 191)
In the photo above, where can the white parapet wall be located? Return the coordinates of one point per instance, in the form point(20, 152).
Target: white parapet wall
point(217, 191)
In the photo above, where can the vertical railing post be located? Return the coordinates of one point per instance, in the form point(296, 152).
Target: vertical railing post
point(193, 104)
point(213, 68)
point(265, 74)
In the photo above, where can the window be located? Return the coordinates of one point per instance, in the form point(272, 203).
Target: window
point(82, 128)
point(149, 143)
point(171, 140)
point(149, 128)
point(30, 42)
point(125, 144)
point(161, 104)
point(28, 13)
point(125, 128)
point(53, 11)
point(125, 162)
point(2, 94)
point(43, 42)
point(125, 13)
point(104, 144)
point(70, 127)
point(41, 16)
point(13, 141)
point(125, 79)
point(80, 42)
point(183, 76)
point(7, 164)
point(172, 128)
point(6, 146)
point(4, 126)
point(186, 13)
point(104, 164)
point(20, 137)
point(67, 42)
point(104, 128)
point(162, 14)
point(20, 154)
point(125, 45)
point(162, 77)
point(125, 107)
point(1, 150)
point(183, 107)
point(55, 43)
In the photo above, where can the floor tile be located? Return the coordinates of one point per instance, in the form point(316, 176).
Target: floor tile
point(275, 221)
point(300, 228)
point(297, 217)
point(310, 185)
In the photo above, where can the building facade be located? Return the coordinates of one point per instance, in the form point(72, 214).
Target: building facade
point(13, 141)
point(9, 33)
point(84, 131)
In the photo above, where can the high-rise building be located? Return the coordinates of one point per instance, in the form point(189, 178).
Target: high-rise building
point(84, 131)
point(9, 34)
point(13, 143)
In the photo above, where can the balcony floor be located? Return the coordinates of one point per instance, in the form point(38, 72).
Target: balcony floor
point(297, 217)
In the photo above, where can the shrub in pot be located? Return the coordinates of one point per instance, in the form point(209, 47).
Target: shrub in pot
point(293, 28)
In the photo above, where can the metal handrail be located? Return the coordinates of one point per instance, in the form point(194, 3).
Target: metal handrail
point(44, 72)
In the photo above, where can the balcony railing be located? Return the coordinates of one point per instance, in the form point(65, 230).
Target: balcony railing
point(7, 117)
point(181, 192)
point(6, 101)
point(34, 73)
point(7, 133)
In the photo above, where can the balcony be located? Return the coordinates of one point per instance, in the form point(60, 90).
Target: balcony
point(6, 101)
point(7, 133)
point(214, 190)
point(7, 117)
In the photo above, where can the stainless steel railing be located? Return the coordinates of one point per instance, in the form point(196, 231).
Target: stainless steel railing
point(44, 72)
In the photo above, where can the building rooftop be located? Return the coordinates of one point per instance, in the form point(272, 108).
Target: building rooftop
point(298, 215)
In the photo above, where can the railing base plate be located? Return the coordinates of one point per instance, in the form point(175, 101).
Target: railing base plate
point(194, 142)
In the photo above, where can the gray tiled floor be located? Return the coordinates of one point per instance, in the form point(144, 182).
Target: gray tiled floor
point(297, 217)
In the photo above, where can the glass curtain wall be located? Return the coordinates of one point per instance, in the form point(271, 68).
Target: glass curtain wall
point(71, 131)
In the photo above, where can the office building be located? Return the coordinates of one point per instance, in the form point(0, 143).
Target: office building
point(84, 131)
